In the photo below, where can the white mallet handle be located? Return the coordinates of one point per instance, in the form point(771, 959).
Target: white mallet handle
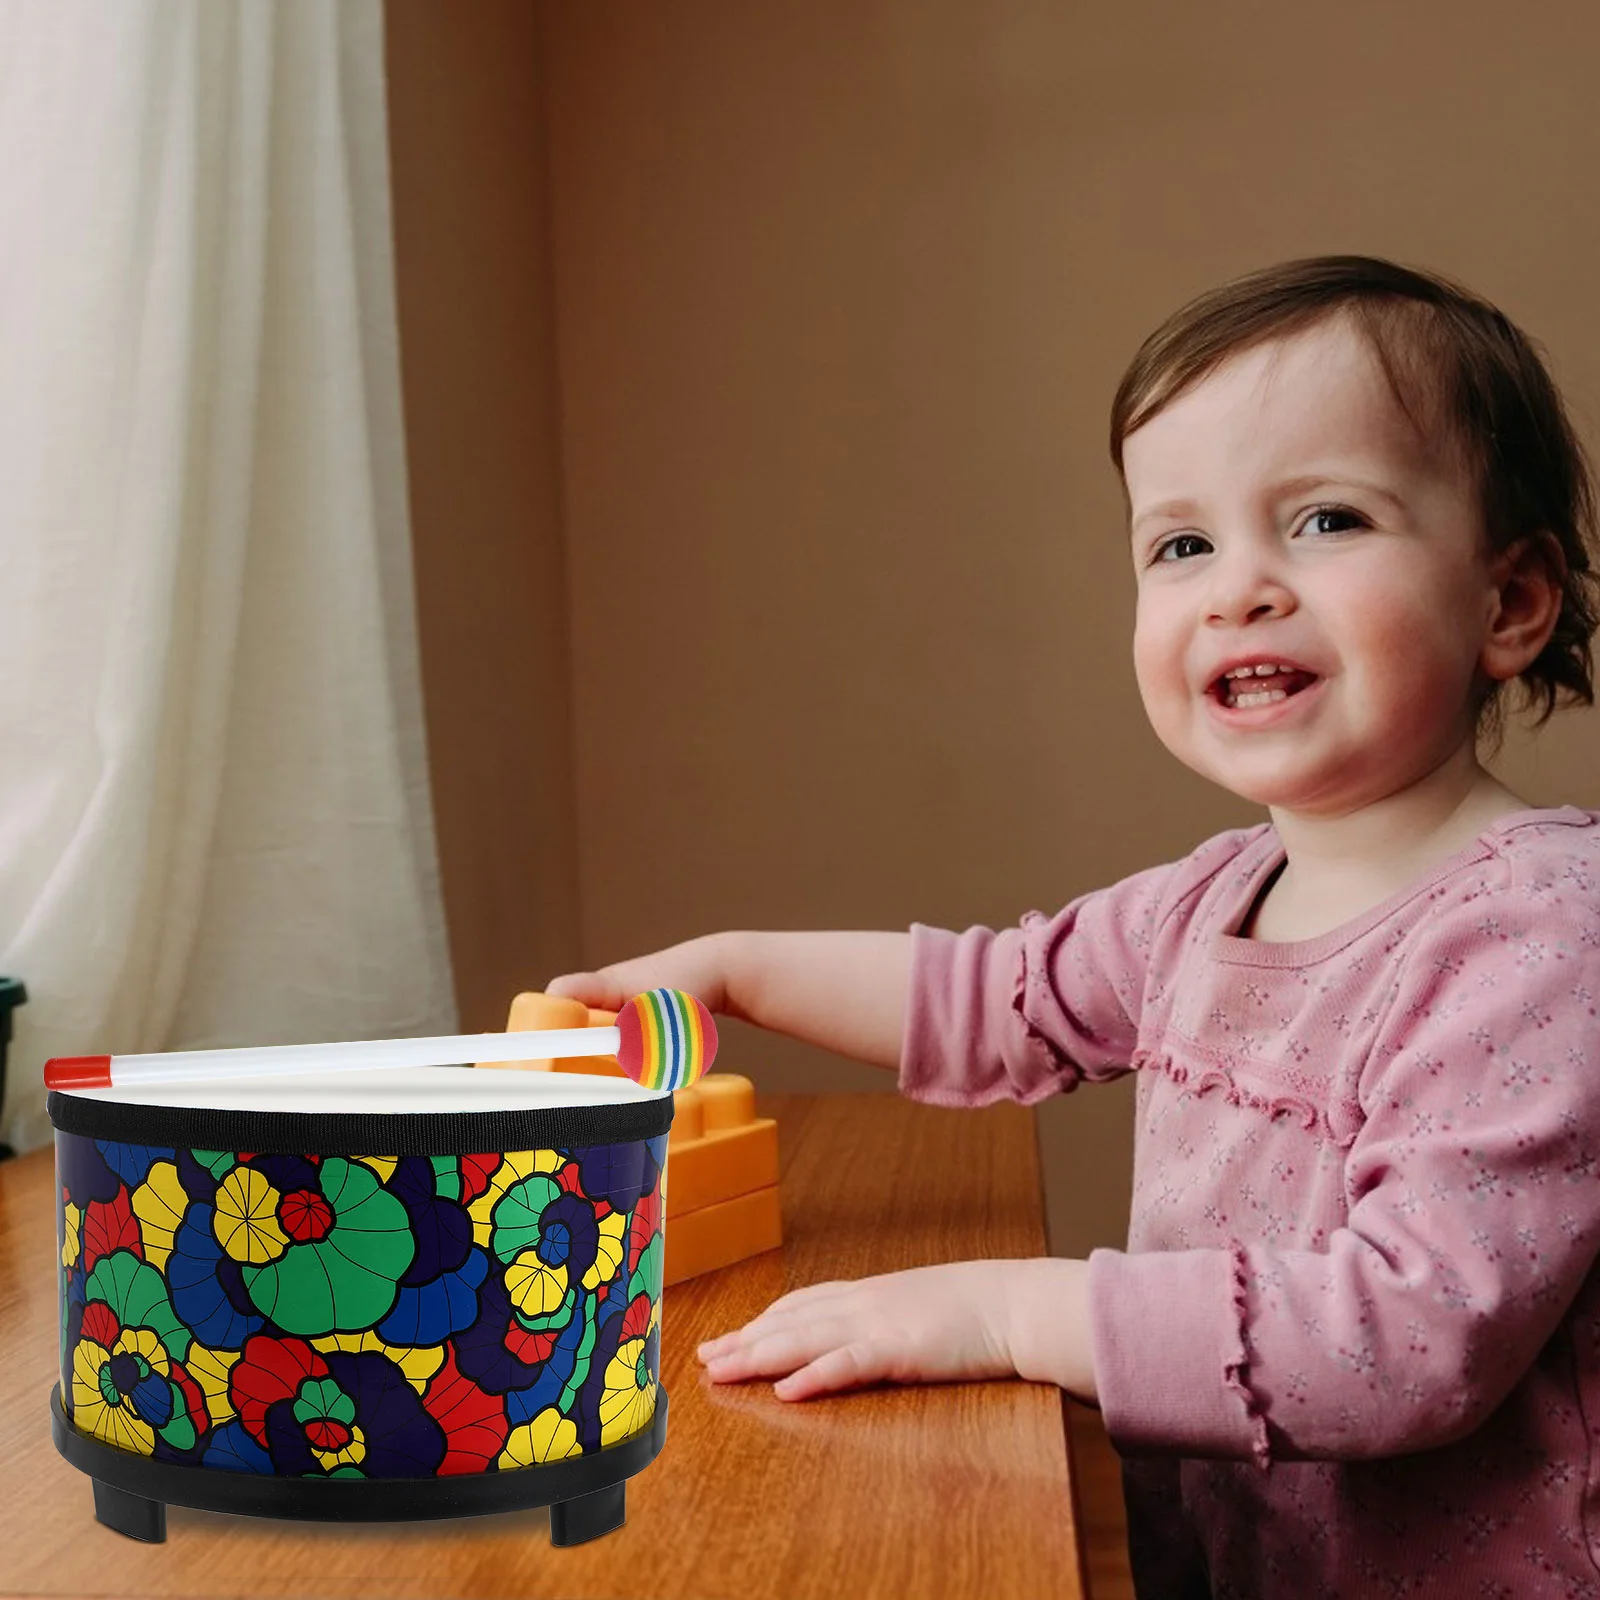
point(103, 1072)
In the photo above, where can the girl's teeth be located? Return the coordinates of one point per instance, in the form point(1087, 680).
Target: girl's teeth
point(1261, 699)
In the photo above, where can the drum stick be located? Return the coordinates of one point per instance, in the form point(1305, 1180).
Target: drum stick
point(664, 1039)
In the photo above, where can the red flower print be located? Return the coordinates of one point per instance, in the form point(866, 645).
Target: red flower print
point(305, 1216)
point(636, 1321)
point(110, 1225)
point(100, 1324)
point(529, 1347)
point(476, 1171)
point(474, 1423)
point(646, 1223)
point(270, 1370)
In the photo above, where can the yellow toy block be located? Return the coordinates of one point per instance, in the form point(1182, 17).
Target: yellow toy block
point(722, 1159)
point(722, 1178)
point(532, 1011)
point(717, 1236)
point(718, 1147)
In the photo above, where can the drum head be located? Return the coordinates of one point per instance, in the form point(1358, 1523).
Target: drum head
point(431, 1091)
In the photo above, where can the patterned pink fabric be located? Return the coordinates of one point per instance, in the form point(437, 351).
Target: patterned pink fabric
point(1353, 1347)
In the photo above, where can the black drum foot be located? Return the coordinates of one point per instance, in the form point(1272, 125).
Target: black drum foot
point(590, 1515)
point(131, 1514)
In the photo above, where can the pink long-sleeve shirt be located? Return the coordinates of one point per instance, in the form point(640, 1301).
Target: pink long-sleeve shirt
point(1353, 1347)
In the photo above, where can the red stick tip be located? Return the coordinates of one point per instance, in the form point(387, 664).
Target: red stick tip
point(78, 1072)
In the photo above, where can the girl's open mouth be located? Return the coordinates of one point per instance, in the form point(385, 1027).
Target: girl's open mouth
point(1260, 698)
point(1261, 689)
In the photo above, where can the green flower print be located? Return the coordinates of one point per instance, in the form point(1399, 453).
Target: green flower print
point(343, 1264)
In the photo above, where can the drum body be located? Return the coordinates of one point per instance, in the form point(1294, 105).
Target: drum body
point(388, 1294)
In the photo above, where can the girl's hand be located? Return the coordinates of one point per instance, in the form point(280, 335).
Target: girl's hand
point(698, 966)
point(844, 991)
point(965, 1320)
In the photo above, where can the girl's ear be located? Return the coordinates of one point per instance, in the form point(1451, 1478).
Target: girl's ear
point(1529, 578)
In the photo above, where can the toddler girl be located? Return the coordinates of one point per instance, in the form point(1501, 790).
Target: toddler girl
point(1353, 1346)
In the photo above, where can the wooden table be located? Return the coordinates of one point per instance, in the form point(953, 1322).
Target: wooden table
point(914, 1493)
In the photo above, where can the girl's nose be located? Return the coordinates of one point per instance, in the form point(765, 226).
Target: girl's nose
point(1246, 584)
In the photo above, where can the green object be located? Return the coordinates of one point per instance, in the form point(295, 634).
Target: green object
point(12, 994)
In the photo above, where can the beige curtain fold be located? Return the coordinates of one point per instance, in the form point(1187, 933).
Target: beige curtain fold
point(215, 825)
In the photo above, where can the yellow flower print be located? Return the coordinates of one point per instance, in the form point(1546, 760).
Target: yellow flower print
point(608, 1256)
point(114, 1422)
point(210, 1369)
point(145, 1342)
point(246, 1220)
point(549, 1437)
point(535, 1288)
point(629, 1401)
point(71, 1239)
point(382, 1165)
point(159, 1203)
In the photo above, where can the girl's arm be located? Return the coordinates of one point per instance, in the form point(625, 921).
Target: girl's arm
point(1473, 1229)
point(965, 1320)
point(968, 1319)
point(843, 991)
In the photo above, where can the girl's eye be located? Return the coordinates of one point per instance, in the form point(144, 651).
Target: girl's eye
point(1316, 520)
point(1167, 546)
point(1331, 513)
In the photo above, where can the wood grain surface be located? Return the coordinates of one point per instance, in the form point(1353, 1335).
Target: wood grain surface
point(916, 1493)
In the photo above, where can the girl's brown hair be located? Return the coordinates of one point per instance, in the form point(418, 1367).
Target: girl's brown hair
point(1464, 374)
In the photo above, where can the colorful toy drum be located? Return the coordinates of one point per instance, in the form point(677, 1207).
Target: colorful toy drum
point(418, 1292)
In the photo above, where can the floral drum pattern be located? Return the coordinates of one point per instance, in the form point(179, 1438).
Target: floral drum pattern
point(360, 1317)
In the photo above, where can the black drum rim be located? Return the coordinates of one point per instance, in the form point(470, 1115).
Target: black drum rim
point(359, 1133)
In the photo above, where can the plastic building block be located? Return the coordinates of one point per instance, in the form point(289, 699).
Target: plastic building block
point(717, 1236)
point(718, 1148)
point(722, 1159)
point(531, 1011)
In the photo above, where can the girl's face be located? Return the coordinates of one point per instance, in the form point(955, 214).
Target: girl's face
point(1285, 511)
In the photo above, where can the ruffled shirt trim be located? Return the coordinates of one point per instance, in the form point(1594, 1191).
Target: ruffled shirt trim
point(1236, 1373)
point(1339, 1121)
point(1191, 1395)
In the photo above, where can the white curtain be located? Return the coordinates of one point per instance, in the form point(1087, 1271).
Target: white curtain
point(214, 817)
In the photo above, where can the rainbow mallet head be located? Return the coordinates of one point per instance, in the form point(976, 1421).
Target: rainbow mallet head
point(668, 1039)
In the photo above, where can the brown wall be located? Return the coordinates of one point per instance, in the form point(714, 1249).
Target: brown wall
point(473, 271)
point(841, 295)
